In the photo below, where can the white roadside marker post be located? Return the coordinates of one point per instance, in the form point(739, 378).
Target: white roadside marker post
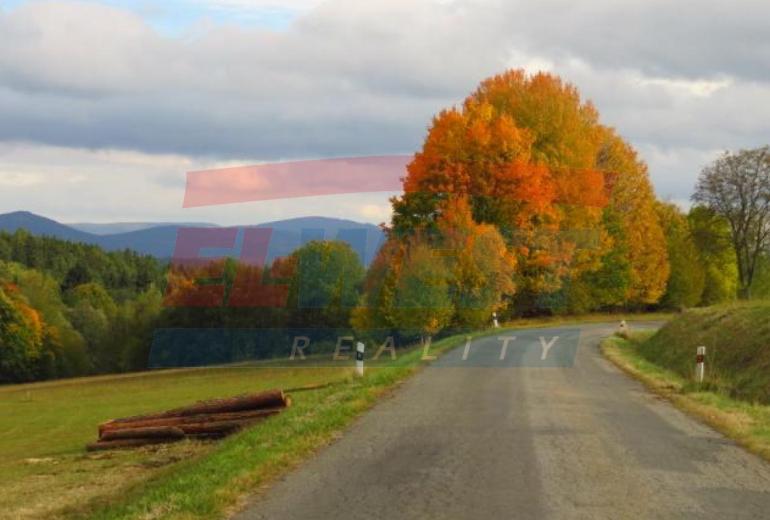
point(494, 320)
point(623, 329)
point(360, 359)
point(700, 365)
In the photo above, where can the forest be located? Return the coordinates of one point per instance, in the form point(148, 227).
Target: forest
point(520, 202)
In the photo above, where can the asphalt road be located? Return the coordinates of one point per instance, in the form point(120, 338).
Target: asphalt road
point(558, 436)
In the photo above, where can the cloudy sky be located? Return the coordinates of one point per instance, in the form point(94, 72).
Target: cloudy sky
point(105, 105)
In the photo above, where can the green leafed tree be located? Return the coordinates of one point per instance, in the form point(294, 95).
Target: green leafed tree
point(133, 328)
point(94, 295)
point(21, 339)
point(326, 284)
point(376, 308)
point(711, 234)
point(93, 312)
point(761, 285)
point(687, 278)
point(64, 349)
point(737, 188)
point(423, 304)
point(607, 285)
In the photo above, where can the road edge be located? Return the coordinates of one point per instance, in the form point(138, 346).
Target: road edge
point(734, 419)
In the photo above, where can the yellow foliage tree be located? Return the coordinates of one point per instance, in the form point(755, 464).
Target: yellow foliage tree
point(633, 199)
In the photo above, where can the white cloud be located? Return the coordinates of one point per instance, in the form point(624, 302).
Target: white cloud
point(298, 5)
point(696, 88)
point(376, 212)
point(10, 179)
point(531, 64)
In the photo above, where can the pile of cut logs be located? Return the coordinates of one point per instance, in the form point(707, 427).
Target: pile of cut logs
point(206, 419)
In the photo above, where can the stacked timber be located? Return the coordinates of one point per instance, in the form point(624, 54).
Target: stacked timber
point(206, 419)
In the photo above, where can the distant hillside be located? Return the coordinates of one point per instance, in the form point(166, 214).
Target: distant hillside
point(159, 240)
point(113, 228)
point(38, 225)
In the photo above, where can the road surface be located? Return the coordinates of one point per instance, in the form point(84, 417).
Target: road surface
point(564, 437)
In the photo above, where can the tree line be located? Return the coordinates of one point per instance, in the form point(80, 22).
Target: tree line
point(525, 164)
point(520, 202)
point(70, 309)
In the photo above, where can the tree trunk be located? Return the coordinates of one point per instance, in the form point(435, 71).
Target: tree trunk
point(744, 293)
point(153, 432)
point(268, 399)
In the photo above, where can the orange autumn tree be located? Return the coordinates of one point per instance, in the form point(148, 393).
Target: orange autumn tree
point(457, 274)
point(522, 149)
point(534, 161)
point(480, 266)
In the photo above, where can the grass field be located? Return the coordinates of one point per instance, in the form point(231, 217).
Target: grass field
point(44, 428)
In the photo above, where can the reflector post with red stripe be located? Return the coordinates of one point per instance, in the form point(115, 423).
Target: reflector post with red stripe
point(700, 363)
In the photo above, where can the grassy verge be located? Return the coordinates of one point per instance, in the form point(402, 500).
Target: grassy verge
point(737, 341)
point(44, 472)
point(745, 422)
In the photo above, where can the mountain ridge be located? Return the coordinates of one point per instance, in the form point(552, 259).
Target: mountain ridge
point(159, 240)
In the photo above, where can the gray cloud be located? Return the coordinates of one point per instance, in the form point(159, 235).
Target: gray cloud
point(689, 38)
point(90, 75)
point(681, 80)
